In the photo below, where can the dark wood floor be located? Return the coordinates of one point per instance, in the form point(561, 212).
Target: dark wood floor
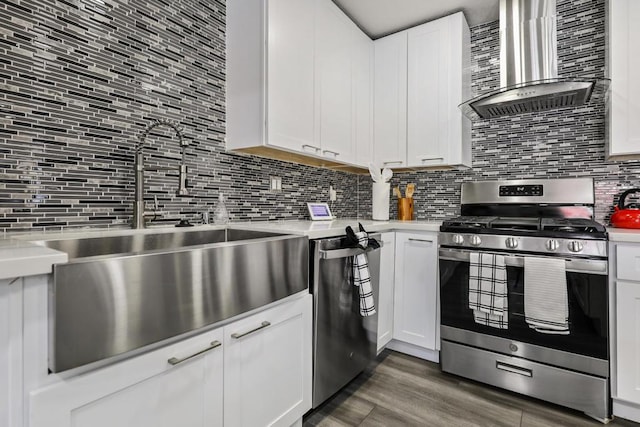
point(400, 390)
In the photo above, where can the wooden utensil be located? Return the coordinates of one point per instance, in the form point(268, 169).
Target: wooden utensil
point(409, 191)
point(396, 192)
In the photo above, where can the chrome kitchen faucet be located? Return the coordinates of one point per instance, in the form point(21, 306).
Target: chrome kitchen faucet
point(138, 206)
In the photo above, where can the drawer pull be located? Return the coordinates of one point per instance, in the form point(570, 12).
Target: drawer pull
point(174, 360)
point(393, 162)
point(411, 239)
point(240, 335)
point(335, 153)
point(316, 149)
point(514, 369)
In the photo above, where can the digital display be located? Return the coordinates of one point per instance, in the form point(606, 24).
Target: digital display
point(319, 211)
point(521, 190)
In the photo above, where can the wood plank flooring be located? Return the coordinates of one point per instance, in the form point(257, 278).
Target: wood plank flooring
point(400, 390)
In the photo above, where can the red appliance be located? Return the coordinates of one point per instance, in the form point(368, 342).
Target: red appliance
point(625, 216)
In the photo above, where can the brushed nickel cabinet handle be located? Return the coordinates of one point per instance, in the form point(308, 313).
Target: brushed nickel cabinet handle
point(426, 159)
point(238, 335)
point(310, 146)
point(332, 152)
point(174, 360)
point(395, 162)
point(411, 239)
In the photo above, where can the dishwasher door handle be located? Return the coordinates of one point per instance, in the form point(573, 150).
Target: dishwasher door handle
point(345, 253)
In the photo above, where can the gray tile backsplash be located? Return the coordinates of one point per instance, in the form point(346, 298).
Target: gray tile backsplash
point(79, 79)
point(555, 144)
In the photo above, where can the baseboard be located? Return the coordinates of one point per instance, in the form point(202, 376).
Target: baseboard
point(414, 350)
point(626, 410)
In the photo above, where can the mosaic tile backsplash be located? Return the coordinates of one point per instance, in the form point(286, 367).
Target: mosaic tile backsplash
point(555, 144)
point(80, 79)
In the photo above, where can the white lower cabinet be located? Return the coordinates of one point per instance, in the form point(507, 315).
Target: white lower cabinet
point(144, 391)
point(628, 340)
point(267, 367)
point(624, 261)
point(416, 316)
point(10, 352)
point(385, 289)
point(213, 379)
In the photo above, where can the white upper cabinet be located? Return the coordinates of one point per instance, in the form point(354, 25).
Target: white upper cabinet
point(270, 64)
point(390, 101)
point(421, 76)
point(624, 33)
point(335, 45)
point(290, 72)
point(298, 81)
point(437, 132)
point(363, 97)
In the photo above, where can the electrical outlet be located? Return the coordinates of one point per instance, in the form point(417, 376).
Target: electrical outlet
point(333, 195)
point(275, 183)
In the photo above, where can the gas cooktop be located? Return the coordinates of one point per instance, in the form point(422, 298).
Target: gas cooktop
point(531, 226)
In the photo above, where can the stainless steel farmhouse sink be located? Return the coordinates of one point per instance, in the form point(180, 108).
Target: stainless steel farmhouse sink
point(119, 293)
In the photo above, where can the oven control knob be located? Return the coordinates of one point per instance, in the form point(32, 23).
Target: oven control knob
point(575, 246)
point(511, 242)
point(552, 245)
point(475, 240)
point(458, 239)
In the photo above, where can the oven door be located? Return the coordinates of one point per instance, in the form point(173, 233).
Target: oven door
point(588, 306)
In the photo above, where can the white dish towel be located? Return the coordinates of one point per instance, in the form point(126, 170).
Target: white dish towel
point(546, 304)
point(362, 278)
point(488, 290)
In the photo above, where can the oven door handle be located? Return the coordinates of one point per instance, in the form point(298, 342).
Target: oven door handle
point(345, 253)
point(574, 265)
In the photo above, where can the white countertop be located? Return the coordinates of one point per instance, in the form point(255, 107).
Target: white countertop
point(20, 257)
point(626, 235)
point(322, 229)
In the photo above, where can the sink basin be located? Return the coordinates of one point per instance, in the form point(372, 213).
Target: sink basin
point(138, 243)
point(120, 293)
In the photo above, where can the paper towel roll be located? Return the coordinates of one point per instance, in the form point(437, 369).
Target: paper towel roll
point(380, 200)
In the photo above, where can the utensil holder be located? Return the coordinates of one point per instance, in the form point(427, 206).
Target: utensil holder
point(380, 200)
point(405, 209)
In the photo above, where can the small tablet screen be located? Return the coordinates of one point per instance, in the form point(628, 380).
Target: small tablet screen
point(319, 211)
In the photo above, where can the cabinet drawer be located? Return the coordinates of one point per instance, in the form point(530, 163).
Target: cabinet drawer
point(628, 262)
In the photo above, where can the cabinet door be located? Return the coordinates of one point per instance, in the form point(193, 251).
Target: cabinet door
point(416, 317)
point(363, 97)
point(385, 292)
point(390, 100)
point(428, 102)
point(627, 340)
point(147, 391)
point(624, 132)
point(11, 352)
point(267, 366)
point(290, 74)
point(335, 42)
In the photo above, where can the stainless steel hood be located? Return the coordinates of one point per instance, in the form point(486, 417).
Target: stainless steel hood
point(529, 66)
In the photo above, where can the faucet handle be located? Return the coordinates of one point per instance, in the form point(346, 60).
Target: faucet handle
point(156, 211)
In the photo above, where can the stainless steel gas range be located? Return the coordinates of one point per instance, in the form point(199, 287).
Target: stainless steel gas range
point(523, 285)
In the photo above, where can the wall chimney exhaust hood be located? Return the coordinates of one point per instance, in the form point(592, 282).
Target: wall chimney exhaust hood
point(529, 66)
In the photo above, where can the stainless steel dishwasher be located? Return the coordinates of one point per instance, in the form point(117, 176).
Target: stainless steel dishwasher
point(344, 342)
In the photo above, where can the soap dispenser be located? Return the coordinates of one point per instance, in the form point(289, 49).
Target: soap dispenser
point(220, 214)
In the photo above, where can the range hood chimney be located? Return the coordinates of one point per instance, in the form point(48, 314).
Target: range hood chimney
point(529, 66)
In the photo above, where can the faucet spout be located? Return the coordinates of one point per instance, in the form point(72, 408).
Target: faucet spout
point(138, 207)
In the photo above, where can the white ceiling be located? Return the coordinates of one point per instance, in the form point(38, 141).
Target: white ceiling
point(379, 18)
